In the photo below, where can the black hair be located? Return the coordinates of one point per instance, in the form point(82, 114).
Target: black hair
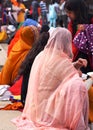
point(45, 28)
point(19, 1)
point(52, 1)
point(81, 12)
point(1, 1)
point(37, 47)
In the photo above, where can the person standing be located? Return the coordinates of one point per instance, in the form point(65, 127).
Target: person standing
point(1, 14)
point(63, 13)
point(44, 11)
point(52, 13)
point(21, 12)
point(79, 16)
point(34, 7)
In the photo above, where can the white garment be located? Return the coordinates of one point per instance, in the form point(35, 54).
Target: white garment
point(63, 12)
point(4, 93)
point(89, 83)
point(16, 10)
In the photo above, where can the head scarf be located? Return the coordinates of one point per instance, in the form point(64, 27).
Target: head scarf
point(29, 22)
point(60, 39)
point(29, 34)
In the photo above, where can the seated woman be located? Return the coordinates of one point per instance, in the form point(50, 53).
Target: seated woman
point(15, 38)
point(56, 97)
point(17, 55)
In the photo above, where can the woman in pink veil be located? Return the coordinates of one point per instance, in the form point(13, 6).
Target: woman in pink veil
point(57, 98)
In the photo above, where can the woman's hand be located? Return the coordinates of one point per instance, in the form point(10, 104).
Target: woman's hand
point(80, 63)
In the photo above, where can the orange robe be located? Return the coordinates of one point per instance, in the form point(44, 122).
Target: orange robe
point(17, 55)
point(14, 40)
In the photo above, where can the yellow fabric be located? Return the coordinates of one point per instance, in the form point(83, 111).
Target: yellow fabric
point(17, 55)
point(3, 36)
point(20, 16)
point(17, 97)
point(26, 34)
point(90, 92)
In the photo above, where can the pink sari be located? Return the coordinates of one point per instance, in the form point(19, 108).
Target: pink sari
point(57, 98)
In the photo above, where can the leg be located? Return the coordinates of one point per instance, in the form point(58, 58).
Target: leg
point(51, 23)
point(54, 23)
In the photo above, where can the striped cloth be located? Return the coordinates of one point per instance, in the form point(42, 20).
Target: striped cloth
point(43, 6)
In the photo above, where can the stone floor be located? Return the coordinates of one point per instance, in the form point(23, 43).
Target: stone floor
point(5, 119)
point(3, 54)
point(6, 116)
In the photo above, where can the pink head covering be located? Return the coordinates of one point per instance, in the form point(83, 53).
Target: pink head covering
point(60, 39)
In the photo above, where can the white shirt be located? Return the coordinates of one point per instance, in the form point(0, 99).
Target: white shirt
point(62, 8)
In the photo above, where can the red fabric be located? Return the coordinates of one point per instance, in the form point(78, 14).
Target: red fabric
point(92, 21)
point(16, 88)
point(70, 28)
point(39, 10)
point(14, 40)
point(74, 48)
point(31, 11)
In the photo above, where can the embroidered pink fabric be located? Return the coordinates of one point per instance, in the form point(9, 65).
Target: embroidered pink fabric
point(57, 98)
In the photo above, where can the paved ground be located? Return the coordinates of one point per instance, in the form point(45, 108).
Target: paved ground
point(6, 116)
point(3, 54)
point(5, 119)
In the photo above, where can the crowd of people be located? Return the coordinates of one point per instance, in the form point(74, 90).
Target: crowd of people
point(45, 63)
point(54, 14)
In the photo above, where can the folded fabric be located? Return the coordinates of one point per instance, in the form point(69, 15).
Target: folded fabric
point(11, 28)
point(3, 36)
point(3, 89)
point(6, 96)
point(13, 106)
point(15, 89)
point(15, 98)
